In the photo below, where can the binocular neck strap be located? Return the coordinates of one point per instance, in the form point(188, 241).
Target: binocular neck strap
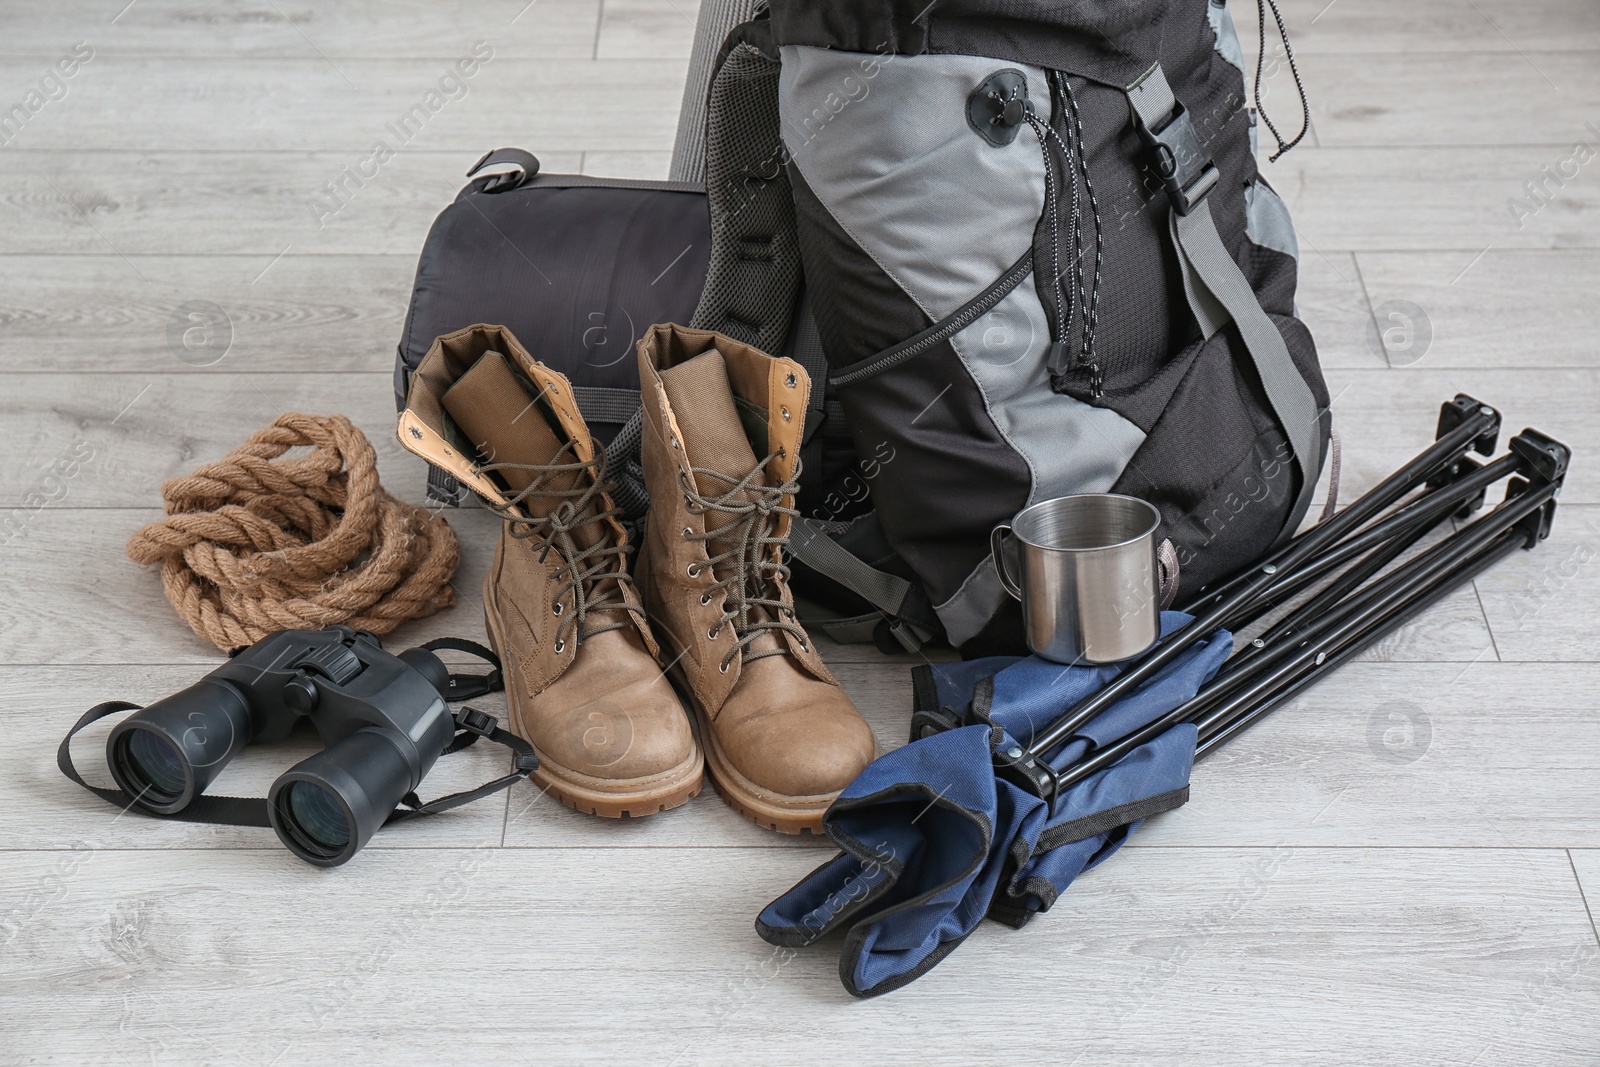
point(252, 811)
point(473, 724)
point(223, 811)
point(467, 686)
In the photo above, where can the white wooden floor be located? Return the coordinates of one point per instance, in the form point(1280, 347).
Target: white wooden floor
point(1392, 870)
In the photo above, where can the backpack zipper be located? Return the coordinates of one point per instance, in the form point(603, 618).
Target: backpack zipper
point(942, 330)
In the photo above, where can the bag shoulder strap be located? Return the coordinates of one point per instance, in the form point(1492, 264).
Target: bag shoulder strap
point(1216, 289)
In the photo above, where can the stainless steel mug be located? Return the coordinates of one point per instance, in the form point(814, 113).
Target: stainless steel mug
point(1088, 581)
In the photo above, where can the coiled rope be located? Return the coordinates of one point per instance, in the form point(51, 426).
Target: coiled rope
point(254, 543)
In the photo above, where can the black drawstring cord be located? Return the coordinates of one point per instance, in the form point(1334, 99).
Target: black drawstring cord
point(1059, 355)
point(1091, 318)
point(1077, 296)
point(1068, 149)
point(1288, 51)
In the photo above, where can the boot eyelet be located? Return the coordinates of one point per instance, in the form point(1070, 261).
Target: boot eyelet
point(705, 599)
point(560, 647)
point(688, 531)
point(786, 415)
point(711, 634)
point(693, 570)
point(791, 381)
point(722, 668)
point(557, 608)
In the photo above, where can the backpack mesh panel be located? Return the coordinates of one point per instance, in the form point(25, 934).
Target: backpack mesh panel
point(754, 276)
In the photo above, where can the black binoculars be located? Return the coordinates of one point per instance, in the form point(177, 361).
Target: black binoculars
point(383, 719)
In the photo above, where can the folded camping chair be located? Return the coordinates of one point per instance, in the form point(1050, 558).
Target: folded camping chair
point(933, 840)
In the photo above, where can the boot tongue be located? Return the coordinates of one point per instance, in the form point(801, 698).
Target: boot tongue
point(713, 438)
point(492, 407)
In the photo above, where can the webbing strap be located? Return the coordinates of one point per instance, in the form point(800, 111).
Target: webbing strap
point(805, 348)
point(849, 630)
point(467, 686)
point(598, 403)
point(1335, 458)
point(473, 724)
point(1207, 310)
point(223, 811)
point(1218, 292)
point(1202, 252)
point(812, 546)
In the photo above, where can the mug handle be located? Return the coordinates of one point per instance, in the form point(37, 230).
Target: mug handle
point(997, 540)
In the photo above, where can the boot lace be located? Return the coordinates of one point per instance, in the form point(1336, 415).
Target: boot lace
point(752, 570)
point(595, 574)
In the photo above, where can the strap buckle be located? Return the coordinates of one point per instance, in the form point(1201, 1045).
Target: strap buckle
point(476, 722)
point(893, 635)
point(909, 636)
point(1180, 160)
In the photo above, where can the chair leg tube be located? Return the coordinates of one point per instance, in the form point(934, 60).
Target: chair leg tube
point(1427, 464)
point(1217, 731)
point(1421, 574)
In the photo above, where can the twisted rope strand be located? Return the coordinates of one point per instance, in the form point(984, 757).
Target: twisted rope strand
point(255, 543)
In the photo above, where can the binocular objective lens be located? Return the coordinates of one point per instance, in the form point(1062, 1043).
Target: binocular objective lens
point(318, 815)
point(156, 761)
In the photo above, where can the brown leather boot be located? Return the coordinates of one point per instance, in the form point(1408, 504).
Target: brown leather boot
point(781, 737)
point(583, 682)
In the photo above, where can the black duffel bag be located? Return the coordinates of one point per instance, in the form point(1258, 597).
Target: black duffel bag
point(577, 267)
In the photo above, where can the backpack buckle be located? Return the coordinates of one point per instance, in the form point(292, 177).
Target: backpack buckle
point(1180, 160)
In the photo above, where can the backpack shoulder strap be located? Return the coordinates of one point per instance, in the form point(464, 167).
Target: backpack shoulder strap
point(1216, 289)
point(753, 278)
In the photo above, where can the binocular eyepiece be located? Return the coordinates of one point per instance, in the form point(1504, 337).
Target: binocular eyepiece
point(382, 717)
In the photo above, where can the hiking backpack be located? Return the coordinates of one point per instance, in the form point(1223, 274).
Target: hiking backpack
point(1037, 259)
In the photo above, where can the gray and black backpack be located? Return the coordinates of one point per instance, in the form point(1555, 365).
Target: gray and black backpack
point(1022, 248)
point(1027, 247)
